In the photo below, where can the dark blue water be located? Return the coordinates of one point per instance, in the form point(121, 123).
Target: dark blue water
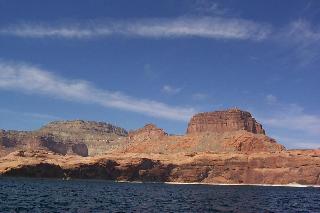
point(43, 195)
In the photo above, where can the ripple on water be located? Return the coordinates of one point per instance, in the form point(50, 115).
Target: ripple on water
point(43, 195)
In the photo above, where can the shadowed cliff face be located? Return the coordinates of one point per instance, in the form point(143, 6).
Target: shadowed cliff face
point(41, 170)
point(224, 121)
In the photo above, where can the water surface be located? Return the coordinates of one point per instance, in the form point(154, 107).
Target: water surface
point(45, 195)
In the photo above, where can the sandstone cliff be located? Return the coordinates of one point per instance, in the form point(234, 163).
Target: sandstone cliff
point(224, 121)
point(98, 137)
point(220, 147)
point(237, 141)
point(148, 132)
point(66, 137)
point(291, 167)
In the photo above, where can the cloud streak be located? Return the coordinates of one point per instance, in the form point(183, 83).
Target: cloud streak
point(170, 90)
point(303, 37)
point(39, 116)
point(293, 117)
point(203, 27)
point(291, 124)
point(301, 122)
point(33, 80)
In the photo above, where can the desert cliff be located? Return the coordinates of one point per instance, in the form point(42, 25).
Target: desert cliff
point(220, 147)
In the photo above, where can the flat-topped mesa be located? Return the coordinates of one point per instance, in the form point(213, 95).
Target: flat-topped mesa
point(148, 132)
point(66, 137)
point(97, 136)
point(224, 121)
point(80, 126)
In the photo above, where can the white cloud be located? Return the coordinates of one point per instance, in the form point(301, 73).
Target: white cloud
point(34, 80)
point(33, 115)
point(302, 122)
point(199, 96)
point(271, 99)
point(293, 117)
point(298, 143)
point(170, 90)
point(291, 125)
point(302, 31)
point(205, 27)
point(209, 7)
point(303, 38)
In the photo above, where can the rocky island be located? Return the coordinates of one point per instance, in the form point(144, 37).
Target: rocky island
point(222, 147)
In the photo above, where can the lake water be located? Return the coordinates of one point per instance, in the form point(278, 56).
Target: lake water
point(43, 195)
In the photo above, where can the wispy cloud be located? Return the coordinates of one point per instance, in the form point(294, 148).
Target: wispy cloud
point(271, 99)
point(304, 38)
point(209, 7)
point(303, 31)
point(31, 114)
point(290, 124)
point(298, 142)
point(199, 96)
point(170, 90)
point(204, 27)
point(34, 80)
point(149, 72)
point(300, 121)
point(292, 117)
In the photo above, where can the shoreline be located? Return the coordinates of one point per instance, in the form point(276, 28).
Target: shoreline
point(296, 185)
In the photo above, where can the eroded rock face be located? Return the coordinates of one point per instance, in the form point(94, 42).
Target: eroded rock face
point(220, 147)
point(148, 132)
point(99, 137)
point(299, 166)
point(82, 127)
point(66, 137)
point(232, 142)
point(80, 149)
point(247, 142)
point(224, 121)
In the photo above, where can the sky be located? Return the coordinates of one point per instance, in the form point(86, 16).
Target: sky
point(135, 62)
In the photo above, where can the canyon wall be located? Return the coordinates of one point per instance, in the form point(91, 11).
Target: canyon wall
point(224, 121)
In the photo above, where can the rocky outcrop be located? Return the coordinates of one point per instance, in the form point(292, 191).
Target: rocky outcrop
point(224, 121)
point(40, 170)
point(82, 127)
point(231, 142)
point(292, 167)
point(99, 137)
point(247, 142)
point(148, 132)
point(220, 147)
point(66, 137)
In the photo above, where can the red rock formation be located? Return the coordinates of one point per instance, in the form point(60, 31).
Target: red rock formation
point(299, 166)
point(247, 142)
point(231, 142)
point(148, 132)
point(224, 121)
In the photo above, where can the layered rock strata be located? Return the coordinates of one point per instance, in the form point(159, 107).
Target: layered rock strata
point(220, 147)
point(292, 167)
point(148, 132)
point(66, 137)
point(224, 121)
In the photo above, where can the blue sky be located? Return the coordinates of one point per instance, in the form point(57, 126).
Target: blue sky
point(136, 62)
